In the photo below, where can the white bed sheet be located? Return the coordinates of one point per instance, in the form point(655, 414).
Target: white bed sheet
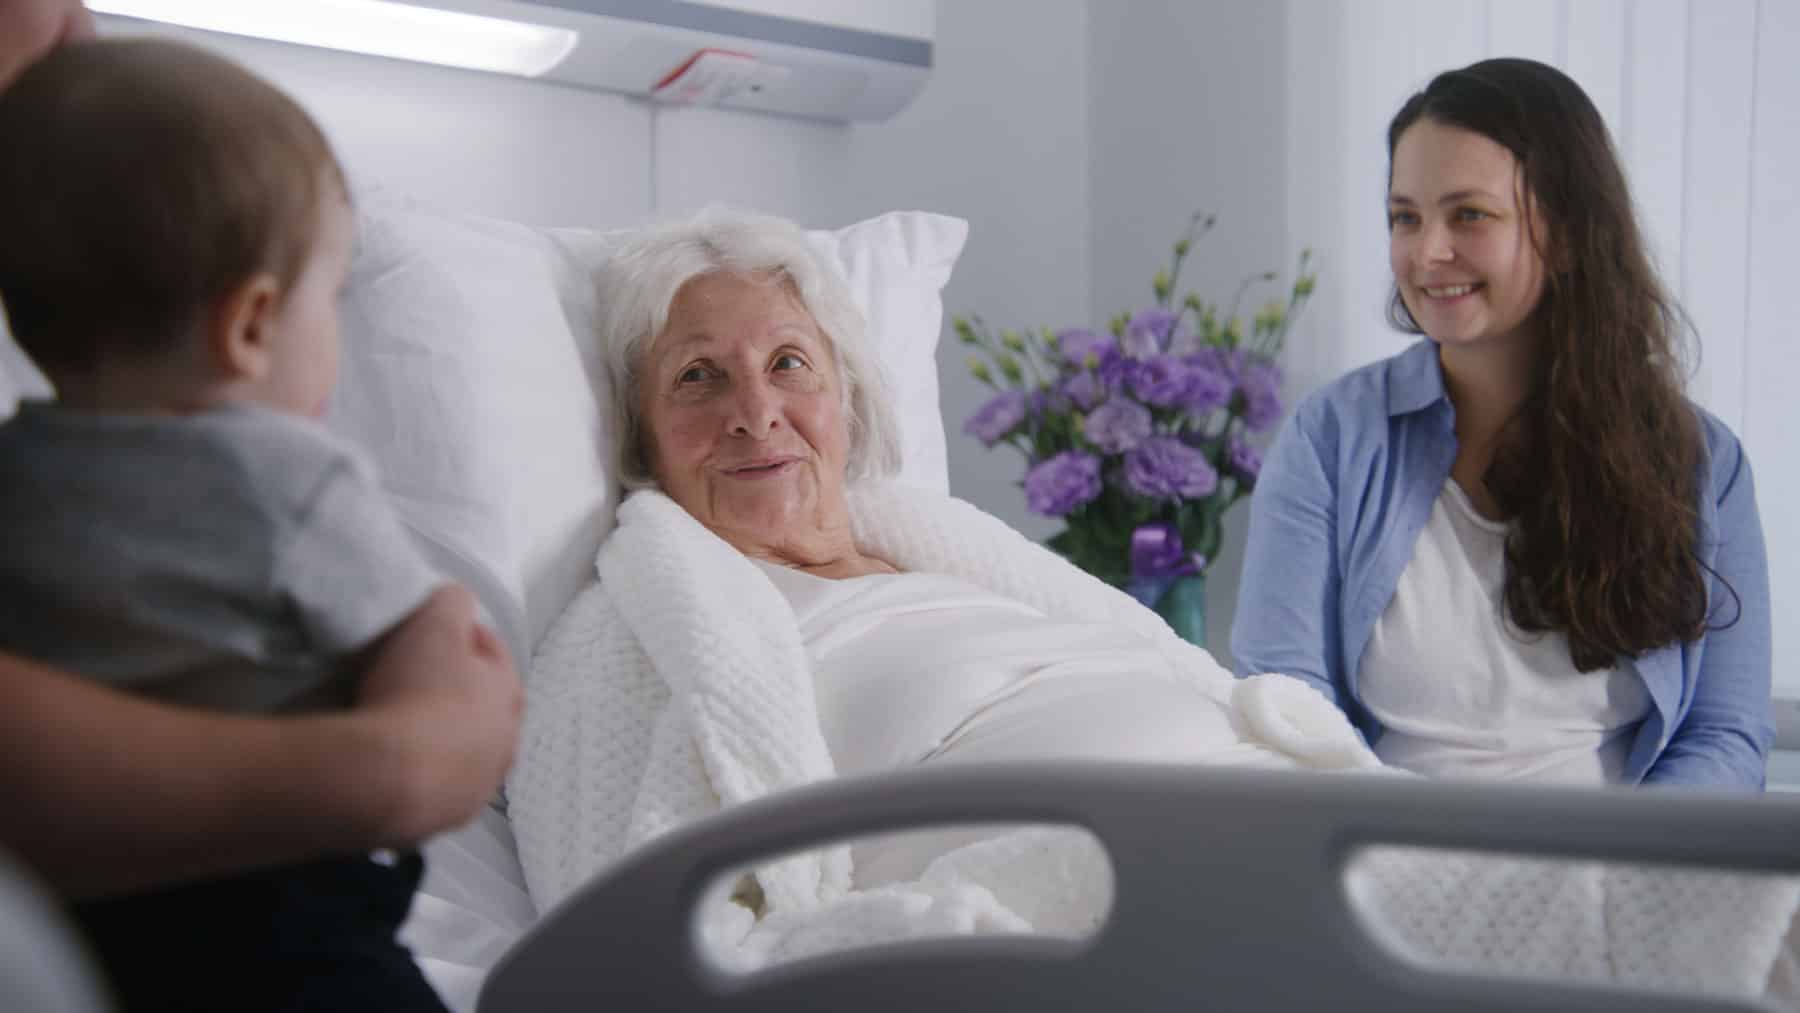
point(470, 908)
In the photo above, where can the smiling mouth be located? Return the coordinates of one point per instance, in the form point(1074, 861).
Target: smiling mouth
point(1448, 291)
point(759, 469)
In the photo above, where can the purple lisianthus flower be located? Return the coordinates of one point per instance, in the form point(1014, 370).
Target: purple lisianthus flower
point(1118, 425)
point(1083, 389)
point(1116, 372)
point(1208, 388)
point(1162, 380)
point(1047, 402)
point(1000, 416)
point(1163, 467)
point(1077, 346)
point(1148, 333)
point(1057, 485)
point(1245, 459)
point(1260, 383)
point(1224, 361)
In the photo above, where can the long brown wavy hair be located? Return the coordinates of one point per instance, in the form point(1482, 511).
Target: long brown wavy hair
point(1599, 469)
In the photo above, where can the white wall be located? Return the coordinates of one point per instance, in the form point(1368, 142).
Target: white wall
point(1771, 354)
point(1699, 97)
point(999, 137)
point(999, 141)
point(491, 144)
point(1187, 108)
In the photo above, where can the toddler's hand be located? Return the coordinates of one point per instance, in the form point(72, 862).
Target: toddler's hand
point(444, 687)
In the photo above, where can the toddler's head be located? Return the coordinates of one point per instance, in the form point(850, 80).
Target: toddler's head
point(173, 231)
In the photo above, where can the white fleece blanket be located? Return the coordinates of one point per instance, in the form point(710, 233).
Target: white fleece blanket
point(677, 685)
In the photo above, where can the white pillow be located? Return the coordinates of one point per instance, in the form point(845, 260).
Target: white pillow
point(470, 375)
point(897, 265)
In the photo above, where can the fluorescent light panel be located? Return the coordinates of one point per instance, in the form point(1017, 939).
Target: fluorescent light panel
point(376, 27)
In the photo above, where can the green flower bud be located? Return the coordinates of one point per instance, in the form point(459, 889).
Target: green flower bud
point(1160, 285)
point(1234, 330)
point(1118, 325)
point(1012, 340)
point(964, 332)
point(1009, 368)
point(980, 370)
point(1269, 318)
point(1051, 341)
point(1181, 247)
point(1304, 284)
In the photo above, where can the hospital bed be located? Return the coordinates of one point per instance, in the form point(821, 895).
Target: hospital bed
point(510, 492)
point(1229, 894)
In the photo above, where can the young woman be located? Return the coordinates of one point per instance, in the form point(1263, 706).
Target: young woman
point(1516, 550)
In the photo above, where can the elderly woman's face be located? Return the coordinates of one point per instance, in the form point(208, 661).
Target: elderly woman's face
point(743, 409)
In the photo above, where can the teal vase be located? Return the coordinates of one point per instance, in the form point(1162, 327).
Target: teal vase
point(1183, 607)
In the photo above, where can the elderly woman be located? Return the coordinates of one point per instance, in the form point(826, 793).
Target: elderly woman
point(772, 612)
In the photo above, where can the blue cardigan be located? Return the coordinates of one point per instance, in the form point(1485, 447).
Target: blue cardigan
point(1343, 494)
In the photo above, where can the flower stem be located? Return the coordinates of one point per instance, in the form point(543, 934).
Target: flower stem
point(1198, 226)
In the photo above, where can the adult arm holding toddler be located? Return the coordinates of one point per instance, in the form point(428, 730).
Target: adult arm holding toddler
point(92, 774)
point(31, 28)
point(1516, 550)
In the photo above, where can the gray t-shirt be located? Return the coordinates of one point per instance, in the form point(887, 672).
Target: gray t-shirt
point(235, 559)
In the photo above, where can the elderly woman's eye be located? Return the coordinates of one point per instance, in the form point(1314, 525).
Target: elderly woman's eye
point(693, 374)
point(788, 360)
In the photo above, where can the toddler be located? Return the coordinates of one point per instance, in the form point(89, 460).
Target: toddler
point(174, 233)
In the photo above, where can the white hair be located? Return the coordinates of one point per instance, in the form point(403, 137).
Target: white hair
point(638, 286)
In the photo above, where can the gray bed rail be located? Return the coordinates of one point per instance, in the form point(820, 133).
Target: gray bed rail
point(1228, 894)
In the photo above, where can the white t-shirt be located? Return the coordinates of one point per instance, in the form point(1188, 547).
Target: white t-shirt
point(919, 666)
point(1462, 692)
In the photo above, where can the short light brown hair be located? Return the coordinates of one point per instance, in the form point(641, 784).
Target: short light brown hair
point(142, 181)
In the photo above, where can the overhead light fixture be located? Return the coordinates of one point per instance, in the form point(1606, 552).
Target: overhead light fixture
point(376, 27)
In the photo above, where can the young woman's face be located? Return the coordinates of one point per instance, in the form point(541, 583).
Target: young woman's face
point(1459, 239)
